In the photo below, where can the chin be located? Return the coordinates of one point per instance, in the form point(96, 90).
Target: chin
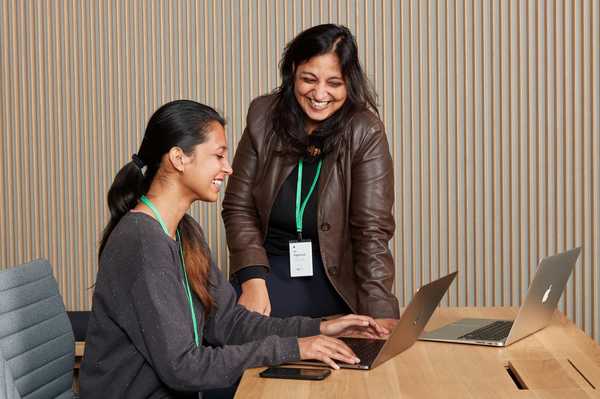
point(208, 197)
point(317, 116)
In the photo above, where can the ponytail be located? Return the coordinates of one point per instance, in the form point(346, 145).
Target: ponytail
point(197, 260)
point(123, 195)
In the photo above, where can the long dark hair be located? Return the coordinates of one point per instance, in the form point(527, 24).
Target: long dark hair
point(288, 118)
point(183, 124)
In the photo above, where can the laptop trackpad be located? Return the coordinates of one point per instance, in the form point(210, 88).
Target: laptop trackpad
point(456, 329)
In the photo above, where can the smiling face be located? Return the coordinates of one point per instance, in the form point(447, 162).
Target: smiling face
point(206, 168)
point(320, 88)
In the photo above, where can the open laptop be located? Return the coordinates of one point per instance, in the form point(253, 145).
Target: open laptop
point(535, 313)
point(373, 352)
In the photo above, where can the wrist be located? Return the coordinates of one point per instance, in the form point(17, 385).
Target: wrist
point(254, 283)
point(323, 327)
point(251, 272)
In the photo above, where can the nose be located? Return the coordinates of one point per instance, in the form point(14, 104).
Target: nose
point(227, 167)
point(321, 93)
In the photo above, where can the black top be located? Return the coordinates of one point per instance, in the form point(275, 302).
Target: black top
point(140, 340)
point(282, 221)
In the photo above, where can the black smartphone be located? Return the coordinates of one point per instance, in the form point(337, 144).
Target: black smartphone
point(295, 373)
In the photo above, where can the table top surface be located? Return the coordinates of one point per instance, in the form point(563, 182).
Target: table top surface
point(559, 361)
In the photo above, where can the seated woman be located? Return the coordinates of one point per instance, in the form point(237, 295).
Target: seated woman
point(313, 165)
point(164, 320)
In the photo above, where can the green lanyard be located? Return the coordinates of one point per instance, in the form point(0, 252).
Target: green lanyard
point(186, 284)
point(300, 207)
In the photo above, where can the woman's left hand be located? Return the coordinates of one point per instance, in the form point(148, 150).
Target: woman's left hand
point(353, 325)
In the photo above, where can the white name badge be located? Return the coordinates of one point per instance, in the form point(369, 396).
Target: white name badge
point(301, 264)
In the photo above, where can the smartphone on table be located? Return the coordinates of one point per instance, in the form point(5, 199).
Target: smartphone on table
point(295, 373)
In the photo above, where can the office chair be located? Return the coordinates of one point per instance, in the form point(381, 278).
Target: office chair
point(36, 338)
point(8, 390)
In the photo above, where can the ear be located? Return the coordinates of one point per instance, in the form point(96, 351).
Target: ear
point(176, 157)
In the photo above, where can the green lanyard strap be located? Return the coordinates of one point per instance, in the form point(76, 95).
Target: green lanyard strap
point(301, 205)
point(186, 284)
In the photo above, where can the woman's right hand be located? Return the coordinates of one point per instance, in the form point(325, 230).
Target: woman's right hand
point(255, 296)
point(326, 349)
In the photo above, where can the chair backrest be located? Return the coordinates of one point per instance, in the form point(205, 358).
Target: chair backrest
point(36, 338)
point(8, 390)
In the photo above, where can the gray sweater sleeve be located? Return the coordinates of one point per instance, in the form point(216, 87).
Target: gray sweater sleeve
point(164, 318)
point(233, 324)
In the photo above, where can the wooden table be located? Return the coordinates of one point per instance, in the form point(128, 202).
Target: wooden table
point(558, 362)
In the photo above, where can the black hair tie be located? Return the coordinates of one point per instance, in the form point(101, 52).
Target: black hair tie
point(137, 161)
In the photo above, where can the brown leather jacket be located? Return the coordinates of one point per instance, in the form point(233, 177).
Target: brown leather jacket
point(355, 194)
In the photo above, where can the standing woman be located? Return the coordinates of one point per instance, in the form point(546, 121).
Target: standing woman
point(164, 320)
point(308, 211)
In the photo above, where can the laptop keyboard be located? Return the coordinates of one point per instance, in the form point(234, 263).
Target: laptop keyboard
point(495, 331)
point(366, 349)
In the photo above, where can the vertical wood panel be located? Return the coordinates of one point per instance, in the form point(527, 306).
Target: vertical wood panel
point(491, 108)
point(594, 255)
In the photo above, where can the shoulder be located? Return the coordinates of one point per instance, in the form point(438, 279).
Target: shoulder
point(365, 127)
point(136, 243)
point(259, 114)
point(261, 105)
point(366, 122)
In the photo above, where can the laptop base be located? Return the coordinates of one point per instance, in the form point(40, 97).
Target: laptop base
point(316, 363)
point(455, 331)
point(366, 349)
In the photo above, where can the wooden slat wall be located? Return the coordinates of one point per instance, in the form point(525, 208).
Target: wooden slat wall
point(492, 110)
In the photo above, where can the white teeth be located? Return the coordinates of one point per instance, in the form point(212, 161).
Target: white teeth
point(318, 104)
point(217, 183)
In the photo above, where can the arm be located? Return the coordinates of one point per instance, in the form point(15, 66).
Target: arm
point(372, 224)
point(232, 324)
point(248, 258)
point(242, 224)
point(164, 320)
point(254, 295)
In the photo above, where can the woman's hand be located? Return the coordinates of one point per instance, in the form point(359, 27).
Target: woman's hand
point(255, 296)
point(326, 350)
point(353, 325)
point(388, 324)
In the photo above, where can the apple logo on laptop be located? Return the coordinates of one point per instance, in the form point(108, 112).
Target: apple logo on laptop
point(546, 294)
point(418, 318)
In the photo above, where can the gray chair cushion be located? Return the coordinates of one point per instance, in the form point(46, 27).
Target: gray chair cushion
point(36, 338)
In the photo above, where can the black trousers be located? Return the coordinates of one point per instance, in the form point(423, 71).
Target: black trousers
point(300, 296)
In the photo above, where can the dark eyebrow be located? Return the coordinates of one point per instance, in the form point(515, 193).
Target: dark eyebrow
point(308, 73)
point(312, 75)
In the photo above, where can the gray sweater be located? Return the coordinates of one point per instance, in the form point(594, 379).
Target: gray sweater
point(140, 339)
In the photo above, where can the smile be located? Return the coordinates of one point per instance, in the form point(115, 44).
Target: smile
point(318, 105)
point(217, 183)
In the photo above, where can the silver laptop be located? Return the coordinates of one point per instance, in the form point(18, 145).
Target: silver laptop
point(535, 313)
point(373, 352)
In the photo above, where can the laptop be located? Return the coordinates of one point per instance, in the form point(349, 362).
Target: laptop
point(373, 352)
point(535, 313)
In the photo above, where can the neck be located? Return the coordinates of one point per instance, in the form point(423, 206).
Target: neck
point(170, 203)
point(310, 127)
